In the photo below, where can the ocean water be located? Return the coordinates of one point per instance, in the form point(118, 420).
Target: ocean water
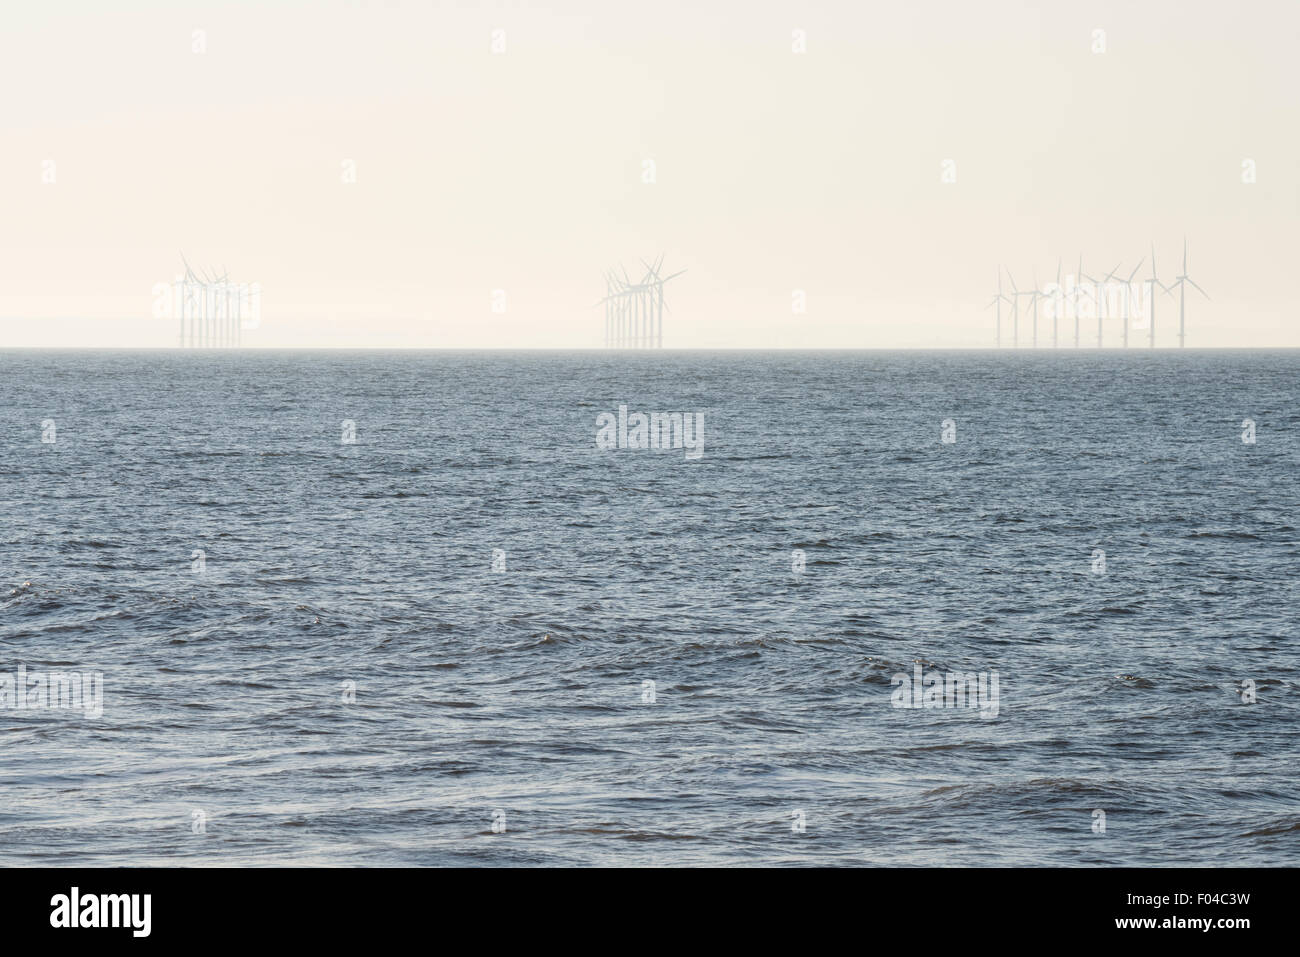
point(347, 680)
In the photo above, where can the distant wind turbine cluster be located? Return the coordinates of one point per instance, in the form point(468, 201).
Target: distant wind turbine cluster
point(634, 312)
point(212, 309)
point(1087, 297)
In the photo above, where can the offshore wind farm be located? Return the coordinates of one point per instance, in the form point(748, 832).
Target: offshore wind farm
point(211, 309)
point(634, 311)
point(1129, 301)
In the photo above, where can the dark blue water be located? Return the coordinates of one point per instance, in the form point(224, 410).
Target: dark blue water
point(520, 691)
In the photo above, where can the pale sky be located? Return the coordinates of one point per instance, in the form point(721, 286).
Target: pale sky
point(523, 170)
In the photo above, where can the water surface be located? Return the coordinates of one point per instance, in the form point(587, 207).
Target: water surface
point(521, 690)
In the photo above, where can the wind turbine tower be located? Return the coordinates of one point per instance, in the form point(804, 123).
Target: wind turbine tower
point(1179, 282)
point(1015, 310)
point(1128, 295)
point(1056, 312)
point(997, 300)
point(1151, 304)
point(1033, 300)
point(1078, 291)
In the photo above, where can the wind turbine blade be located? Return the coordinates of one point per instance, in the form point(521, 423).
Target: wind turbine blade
point(1184, 255)
point(1135, 270)
point(673, 276)
point(1198, 288)
point(1013, 281)
point(1153, 263)
point(1058, 270)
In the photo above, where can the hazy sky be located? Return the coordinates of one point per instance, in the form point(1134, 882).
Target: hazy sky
point(523, 170)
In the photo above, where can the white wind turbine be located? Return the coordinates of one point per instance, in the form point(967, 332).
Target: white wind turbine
point(628, 320)
point(1015, 310)
point(608, 303)
point(189, 302)
point(209, 309)
point(997, 300)
point(1152, 302)
point(1078, 291)
point(1128, 295)
point(1056, 312)
point(1099, 297)
point(228, 313)
point(654, 283)
point(1034, 297)
point(1179, 281)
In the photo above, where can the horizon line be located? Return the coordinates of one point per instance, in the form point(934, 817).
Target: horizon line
point(647, 352)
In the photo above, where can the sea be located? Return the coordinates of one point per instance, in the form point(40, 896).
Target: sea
point(361, 608)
